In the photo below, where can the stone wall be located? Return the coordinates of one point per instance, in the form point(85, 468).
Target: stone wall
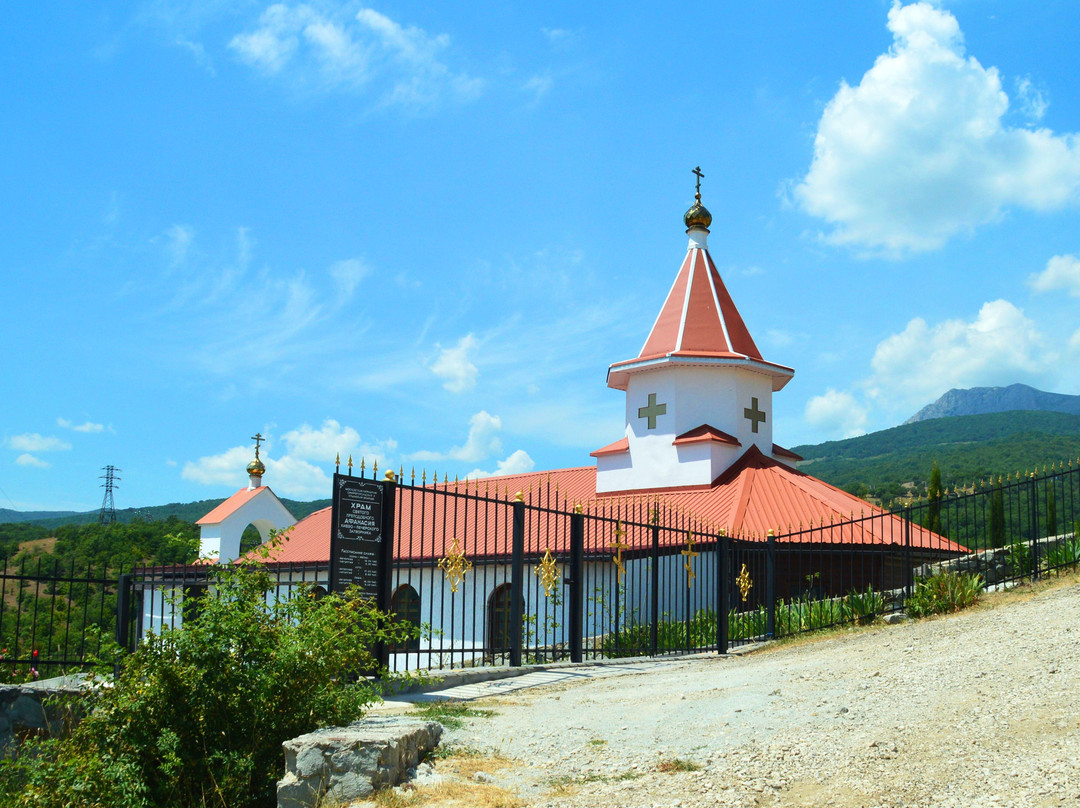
point(343, 764)
point(992, 565)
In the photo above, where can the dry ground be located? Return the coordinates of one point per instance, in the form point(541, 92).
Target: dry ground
point(980, 709)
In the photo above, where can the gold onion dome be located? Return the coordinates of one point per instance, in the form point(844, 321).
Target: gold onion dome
point(256, 468)
point(698, 215)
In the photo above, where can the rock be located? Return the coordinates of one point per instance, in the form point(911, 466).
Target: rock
point(344, 764)
point(483, 777)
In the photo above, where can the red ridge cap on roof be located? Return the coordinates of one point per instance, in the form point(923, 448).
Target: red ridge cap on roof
point(621, 446)
point(706, 434)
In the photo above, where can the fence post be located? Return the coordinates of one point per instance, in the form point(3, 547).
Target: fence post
point(576, 583)
point(123, 611)
point(909, 578)
point(1034, 508)
point(385, 587)
point(723, 550)
point(517, 582)
point(655, 615)
point(770, 585)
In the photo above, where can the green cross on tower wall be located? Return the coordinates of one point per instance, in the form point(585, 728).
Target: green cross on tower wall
point(653, 410)
point(754, 415)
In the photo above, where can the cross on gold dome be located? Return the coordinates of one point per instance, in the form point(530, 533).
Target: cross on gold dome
point(258, 438)
point(697, 190)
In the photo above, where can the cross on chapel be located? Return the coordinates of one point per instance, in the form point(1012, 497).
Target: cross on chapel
point(654, 410)
point(258, 438)
point(753, 414)
point(697, 190)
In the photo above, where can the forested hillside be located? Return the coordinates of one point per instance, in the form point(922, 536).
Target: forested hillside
point(967, 448)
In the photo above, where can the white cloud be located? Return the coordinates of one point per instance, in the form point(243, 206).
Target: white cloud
point(88, 426)
point(1062, 272)
point(482, 442)
point(321, 444)
point(517, 463)
point(335, 49)
point(917, 152)
point(1000, 347)
point(538, 86)
point(33, 442)
point(347, 274)
point(837, 414)
point(31, 461)
point(454, 365)
point(178, 242)
point(302, 471)
point(1033, 103)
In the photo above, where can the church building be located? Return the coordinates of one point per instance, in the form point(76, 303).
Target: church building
point(698, 441)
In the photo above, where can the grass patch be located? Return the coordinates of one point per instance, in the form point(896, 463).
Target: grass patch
point(451, 714)
point(467, 795)
point(673, 765)
point(597, 741)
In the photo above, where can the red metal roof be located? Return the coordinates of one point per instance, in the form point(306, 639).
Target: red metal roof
point(699, 317)
point(621, 446)
point(706, 434)
point(755, 495)
point(229, 506)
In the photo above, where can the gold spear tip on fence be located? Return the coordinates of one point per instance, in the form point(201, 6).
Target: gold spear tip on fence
point(337, 462)
point(361, 466)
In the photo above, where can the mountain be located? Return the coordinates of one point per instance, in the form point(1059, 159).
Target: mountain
point(186, 511)
point(966, 448)
point(981, 400)
point(8, 515)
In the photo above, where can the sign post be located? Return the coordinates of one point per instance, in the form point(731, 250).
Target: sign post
point(362, 537)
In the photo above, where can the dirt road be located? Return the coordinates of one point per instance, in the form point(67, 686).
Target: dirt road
point(976, 709)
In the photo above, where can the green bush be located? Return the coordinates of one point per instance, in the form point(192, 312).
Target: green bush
point(861, 608)
point(944, 592)
point(1064, 553)
point(198, 714)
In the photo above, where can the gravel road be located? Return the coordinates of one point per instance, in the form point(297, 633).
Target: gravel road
point(975, 709)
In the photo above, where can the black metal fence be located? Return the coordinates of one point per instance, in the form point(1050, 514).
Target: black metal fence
point(488, 578)
point(54, 616)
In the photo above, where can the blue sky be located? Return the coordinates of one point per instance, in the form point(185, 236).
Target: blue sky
point(420, 232)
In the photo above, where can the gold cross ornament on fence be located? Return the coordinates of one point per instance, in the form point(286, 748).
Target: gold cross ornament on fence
point(744, 583)
point(618, 546)
point(689, 554)
point(455, 565)
point(548, 572)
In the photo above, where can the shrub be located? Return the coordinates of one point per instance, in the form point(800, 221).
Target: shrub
point(861, 608)
point(944, 592)
point(1064, 553)
point(1019, 554)
point(198, 714)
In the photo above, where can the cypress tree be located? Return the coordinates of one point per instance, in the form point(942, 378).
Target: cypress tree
point(933, 495)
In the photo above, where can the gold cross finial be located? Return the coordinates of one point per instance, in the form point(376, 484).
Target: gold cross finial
point(697, 190)
point(258, 438)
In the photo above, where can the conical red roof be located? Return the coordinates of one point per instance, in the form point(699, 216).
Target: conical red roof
point(699, 317)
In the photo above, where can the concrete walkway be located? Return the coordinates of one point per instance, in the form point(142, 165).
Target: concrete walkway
point(481, 683)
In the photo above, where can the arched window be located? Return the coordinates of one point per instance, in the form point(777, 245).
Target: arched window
point(405, 606)
point(498, 633)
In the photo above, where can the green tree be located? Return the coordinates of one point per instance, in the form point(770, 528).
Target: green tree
point(1051, 511)
point(997, 516)
point(933, 496)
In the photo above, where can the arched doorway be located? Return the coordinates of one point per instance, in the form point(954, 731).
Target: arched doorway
point(498, 628)
point(405, 606)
